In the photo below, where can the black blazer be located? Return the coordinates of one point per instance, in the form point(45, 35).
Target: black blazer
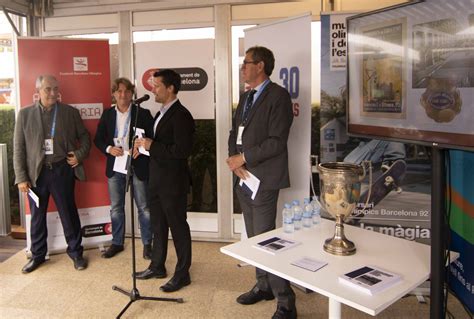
point(265, 137)
point(169, 152)
point(104, 137)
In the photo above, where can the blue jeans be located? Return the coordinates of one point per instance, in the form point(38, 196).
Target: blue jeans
point(117, 185)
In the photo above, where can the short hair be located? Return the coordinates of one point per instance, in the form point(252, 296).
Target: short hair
point(169, 77)
point(40, 78)
point(128, 84)
point(264, 55)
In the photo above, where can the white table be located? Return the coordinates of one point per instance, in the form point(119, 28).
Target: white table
point(409, 259)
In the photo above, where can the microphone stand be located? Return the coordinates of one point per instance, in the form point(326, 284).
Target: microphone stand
point(134, 294)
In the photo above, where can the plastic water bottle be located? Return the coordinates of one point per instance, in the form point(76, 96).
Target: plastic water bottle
point(297, 214)
point(307, 214)
point(288, 225)
point(316, 211)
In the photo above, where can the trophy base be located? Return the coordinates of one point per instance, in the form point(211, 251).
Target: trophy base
point(339, 247)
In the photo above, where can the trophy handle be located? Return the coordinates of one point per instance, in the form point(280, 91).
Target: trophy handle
point(364, 169)
point(369, 165)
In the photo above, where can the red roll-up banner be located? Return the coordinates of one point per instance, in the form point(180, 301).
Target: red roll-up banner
point(82, 69)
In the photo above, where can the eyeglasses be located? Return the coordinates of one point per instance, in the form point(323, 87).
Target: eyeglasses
point(250, 62)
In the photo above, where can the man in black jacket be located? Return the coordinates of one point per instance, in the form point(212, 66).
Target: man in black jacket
point(170, 180)
point(114, 136)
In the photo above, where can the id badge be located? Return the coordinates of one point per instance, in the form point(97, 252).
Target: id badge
point(239, 135)
point(48, 146)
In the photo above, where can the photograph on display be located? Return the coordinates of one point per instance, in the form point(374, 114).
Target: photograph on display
point(411, 74)
point(446, 52)
point(445, 64)
point(382, 70)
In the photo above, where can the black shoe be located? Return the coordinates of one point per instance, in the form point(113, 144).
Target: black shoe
point(80, 263)
point(283, 313)
point(254, 295)
point(149, 273)
point(112, 251)
point(176, 284)
point(147, 252)
point(32, 265)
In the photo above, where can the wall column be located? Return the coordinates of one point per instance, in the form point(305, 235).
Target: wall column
point(125, 45)
point(223, 89)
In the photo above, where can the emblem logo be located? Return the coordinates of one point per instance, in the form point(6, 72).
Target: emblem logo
point(80, 64)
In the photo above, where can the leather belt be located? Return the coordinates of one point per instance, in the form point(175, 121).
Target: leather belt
point(55, 164)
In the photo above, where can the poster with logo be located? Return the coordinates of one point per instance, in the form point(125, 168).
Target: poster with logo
point(192, 59)
point(292, 51)
point(83, 71)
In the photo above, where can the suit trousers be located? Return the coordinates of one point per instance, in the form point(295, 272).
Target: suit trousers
point(57, 181)
point(169, 211)
point(259, 217)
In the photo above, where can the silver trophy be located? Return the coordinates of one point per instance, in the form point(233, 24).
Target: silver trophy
point(340, 192)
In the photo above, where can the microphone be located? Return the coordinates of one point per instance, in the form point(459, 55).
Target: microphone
point(144, 98)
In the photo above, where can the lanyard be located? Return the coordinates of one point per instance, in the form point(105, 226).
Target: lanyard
point(53, 126)
point(126, 126)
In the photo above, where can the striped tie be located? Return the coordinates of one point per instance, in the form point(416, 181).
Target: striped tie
point(248, 105)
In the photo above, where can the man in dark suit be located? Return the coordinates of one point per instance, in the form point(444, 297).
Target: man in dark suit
point(50, 144)
point(170, 180)
point(258, 144)
point(114, 136)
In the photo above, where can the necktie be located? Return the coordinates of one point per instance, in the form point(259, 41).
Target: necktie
point(248, 105)
point(157, 115)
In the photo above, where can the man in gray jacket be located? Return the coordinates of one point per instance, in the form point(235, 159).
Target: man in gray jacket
point(50, 144)
point(258, 145)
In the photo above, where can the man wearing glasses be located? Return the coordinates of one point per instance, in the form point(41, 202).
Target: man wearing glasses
point(50, 144)
point(258, 145)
